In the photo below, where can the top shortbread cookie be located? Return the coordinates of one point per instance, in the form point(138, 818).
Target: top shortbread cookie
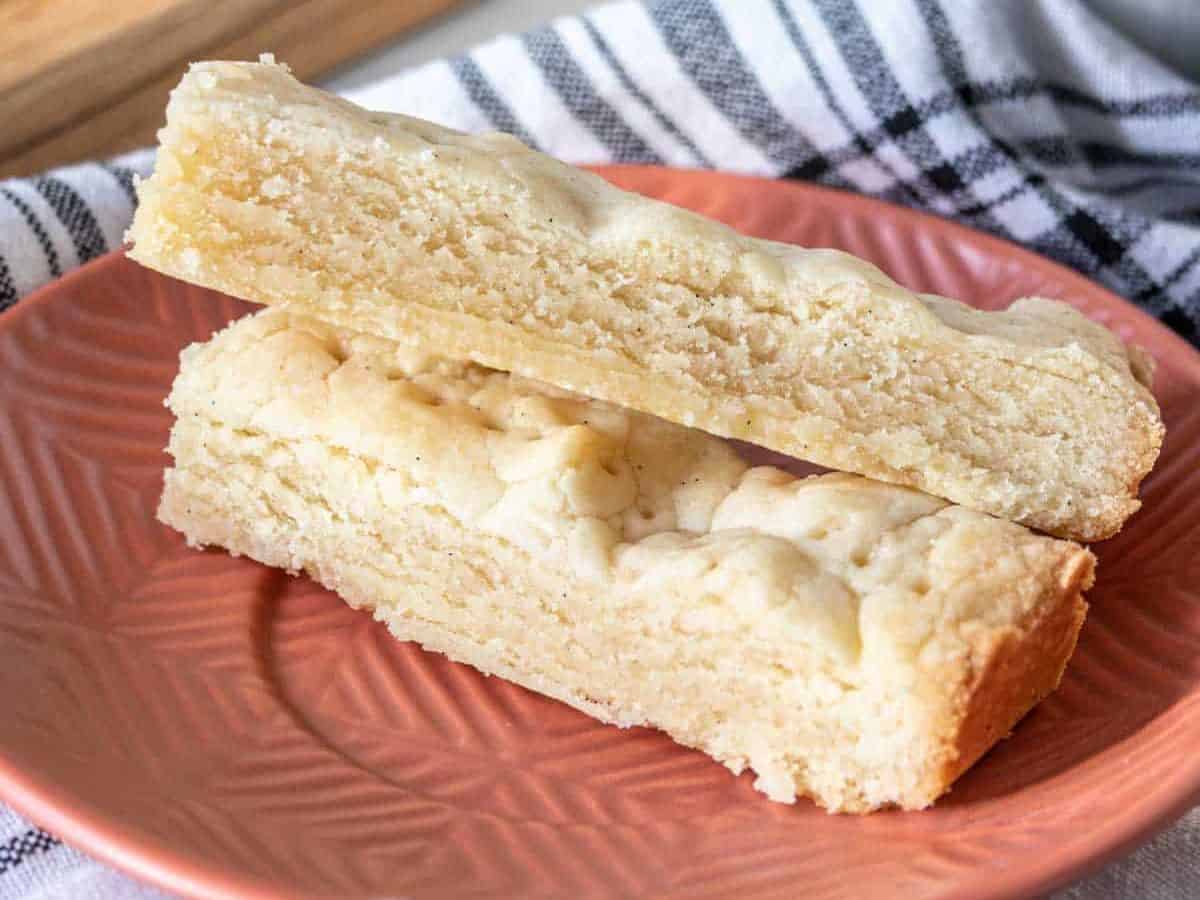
point(482, 249)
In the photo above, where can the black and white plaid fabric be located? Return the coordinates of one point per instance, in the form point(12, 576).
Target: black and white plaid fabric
point(1031, 119)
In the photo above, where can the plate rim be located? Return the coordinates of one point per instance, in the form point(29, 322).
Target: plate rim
point(46, 806)
point(112, 842)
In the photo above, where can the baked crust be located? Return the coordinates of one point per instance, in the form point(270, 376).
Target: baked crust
point(857, 642)
point(275, 192)
point(1015, 669)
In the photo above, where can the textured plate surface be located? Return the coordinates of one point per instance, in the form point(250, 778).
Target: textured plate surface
point(221, 728)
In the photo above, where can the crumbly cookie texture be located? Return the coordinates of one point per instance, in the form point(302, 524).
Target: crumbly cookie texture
point(279, 193)
point(856, 642)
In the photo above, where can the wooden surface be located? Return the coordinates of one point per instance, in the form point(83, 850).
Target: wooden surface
point(87, 78)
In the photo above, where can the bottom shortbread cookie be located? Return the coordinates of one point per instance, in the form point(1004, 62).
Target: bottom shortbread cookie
point(858, 643)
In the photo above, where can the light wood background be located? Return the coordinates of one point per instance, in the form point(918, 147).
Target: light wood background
point(89, 78)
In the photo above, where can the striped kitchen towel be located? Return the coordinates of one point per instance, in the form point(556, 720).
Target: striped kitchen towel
point(1031, 119)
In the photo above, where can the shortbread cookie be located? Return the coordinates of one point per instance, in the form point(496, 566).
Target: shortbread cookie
point(853, 641)
point(278, 193)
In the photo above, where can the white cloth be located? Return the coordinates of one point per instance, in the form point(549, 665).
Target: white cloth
point(1029, 118)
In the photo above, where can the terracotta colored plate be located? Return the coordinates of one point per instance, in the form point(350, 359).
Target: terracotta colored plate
point(220, 728)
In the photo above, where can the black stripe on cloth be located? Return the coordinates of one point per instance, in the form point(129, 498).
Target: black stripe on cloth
point(819, 168)
point(697, 36)
point(997, 154)
point(1164, 106)
point(865, 63)
point(8, 287)
point(973, 164)
point(886, 98)
point(550, 54)
point(1089, 240)
point(124, 177)
point(486, 98)
point(75, 215)
point(39, 232)
point(1025, 87)
point(1095, 239)
point(20, 847)
point(630, 85)
point(1106, 243)
point(1178, 319)
point(975, 212)
point(1089, 231)
point(1106, 235)
point(1060, 150)
point(1101, 154)
point(950, 53)
point(981, 161)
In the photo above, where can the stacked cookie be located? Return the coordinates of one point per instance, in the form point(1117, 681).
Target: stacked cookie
point(488, 404)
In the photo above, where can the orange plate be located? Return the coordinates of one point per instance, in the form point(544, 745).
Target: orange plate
point(220, 728)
